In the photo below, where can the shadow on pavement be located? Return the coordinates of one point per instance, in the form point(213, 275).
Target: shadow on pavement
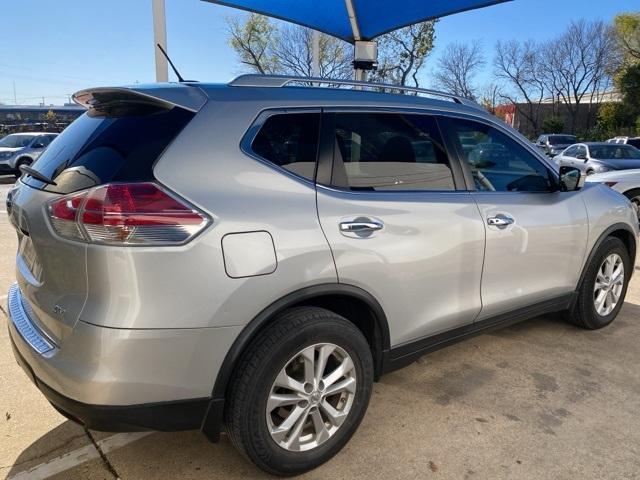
point(7, 180)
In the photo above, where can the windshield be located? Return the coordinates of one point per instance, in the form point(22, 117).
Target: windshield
point(562, 139)
point(617, 152)
point(16, 141)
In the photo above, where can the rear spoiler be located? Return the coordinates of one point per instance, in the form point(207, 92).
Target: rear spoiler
point(166, 96)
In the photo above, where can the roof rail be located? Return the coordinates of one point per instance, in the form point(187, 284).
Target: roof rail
point(275, 81)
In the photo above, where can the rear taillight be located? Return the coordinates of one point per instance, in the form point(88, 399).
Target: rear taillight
point(126, 214)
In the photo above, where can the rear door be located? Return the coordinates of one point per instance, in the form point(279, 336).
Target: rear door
point(101, 146)
point(535, 236)
point(399, 221)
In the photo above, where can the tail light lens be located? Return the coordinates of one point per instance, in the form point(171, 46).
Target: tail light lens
point(126, 214)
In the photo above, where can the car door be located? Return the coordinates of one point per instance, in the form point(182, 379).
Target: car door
point(399, 220)
point(535, 236)
point(567, 158)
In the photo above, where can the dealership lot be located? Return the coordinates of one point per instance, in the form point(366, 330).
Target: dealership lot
point(538, 400)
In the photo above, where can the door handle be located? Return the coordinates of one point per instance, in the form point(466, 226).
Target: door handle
point(360, 227)
point(500, 221)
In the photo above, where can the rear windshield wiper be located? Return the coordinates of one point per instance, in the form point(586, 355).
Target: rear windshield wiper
point(37, 175)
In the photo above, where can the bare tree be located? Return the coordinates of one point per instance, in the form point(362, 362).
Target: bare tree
point(519, 65)
point(457, 68)
point(577, 64)
point(293, 48)
point(491, 97)
point(402, 53)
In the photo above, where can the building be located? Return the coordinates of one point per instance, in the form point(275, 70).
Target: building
point(21, 118)
point(521, 115)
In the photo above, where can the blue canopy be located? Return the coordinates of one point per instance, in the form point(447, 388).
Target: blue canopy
point(353, 20)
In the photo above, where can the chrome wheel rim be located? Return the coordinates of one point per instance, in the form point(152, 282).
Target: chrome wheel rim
point(311, 397)
point(608, 287)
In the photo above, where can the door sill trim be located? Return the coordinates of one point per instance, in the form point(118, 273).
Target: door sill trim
point(407, 353)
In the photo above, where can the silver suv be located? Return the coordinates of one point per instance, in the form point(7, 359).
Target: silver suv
point(257, 254)
point(19, 149)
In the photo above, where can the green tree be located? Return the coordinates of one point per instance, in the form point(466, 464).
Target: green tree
point(627, 28)
point(627, 75)
point(403, 53)
point(252, 40)
point(553, 125)
point(50, 117)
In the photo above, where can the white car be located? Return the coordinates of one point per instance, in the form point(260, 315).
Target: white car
point(626, 182)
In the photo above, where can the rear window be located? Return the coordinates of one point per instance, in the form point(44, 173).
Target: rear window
point(561, 139)
point(97, 149)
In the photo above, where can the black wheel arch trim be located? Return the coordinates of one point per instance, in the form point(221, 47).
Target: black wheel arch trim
point(603, 236)
point(213, 419)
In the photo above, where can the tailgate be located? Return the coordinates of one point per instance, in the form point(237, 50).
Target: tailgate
point(51, 272)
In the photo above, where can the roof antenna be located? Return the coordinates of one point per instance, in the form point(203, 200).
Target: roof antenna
point(173, 67)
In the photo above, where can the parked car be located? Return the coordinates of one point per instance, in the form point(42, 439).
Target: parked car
point(22, 149)
point(257, 254)
point(626, 182)
point(599, 157)
point(554, 144)
point(633, 141)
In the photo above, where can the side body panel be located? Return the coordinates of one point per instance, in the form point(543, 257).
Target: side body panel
point(424, 266)
point(539, 256)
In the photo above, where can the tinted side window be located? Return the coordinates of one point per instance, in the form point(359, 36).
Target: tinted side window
point(582, 150)
point(571, 151)
point(387, 151)
point(290, 140)
point(497, 162)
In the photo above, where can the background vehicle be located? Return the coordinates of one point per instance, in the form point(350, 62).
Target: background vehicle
point(257, 253)
point(22, 149)
point(626, 182)
point(599, 157)
point(633, 141)
point(554, 144)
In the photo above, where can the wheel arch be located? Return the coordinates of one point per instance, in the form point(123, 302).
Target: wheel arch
point(621, 231)
point(349, 301)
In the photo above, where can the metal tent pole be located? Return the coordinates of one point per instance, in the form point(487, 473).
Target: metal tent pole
point(160, 37)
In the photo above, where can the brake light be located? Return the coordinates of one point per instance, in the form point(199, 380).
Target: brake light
point(126, 214)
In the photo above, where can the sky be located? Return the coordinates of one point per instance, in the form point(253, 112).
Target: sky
point(50, 49)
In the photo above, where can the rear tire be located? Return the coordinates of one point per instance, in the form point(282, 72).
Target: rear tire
point(292, 348)
point(599, 296)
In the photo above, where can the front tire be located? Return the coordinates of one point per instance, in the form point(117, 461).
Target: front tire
point(19, 163)
point(604, 286)
point(300, 391)
point(633, 196)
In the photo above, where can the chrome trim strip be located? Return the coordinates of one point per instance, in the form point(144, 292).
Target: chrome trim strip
point(23, 324)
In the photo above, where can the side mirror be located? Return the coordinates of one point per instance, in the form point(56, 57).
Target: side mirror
point(37, 145)
point(571, 179)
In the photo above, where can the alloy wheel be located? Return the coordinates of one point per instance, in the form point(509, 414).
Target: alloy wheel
point(609, 283)
point(311, 397)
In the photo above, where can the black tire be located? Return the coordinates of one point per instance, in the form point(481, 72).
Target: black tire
point(584, 313)
point(246, 405)
point(19, 163)
point(633, 196)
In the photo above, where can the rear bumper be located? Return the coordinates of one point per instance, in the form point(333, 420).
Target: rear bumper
point(163, 416)
point(123, 380)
